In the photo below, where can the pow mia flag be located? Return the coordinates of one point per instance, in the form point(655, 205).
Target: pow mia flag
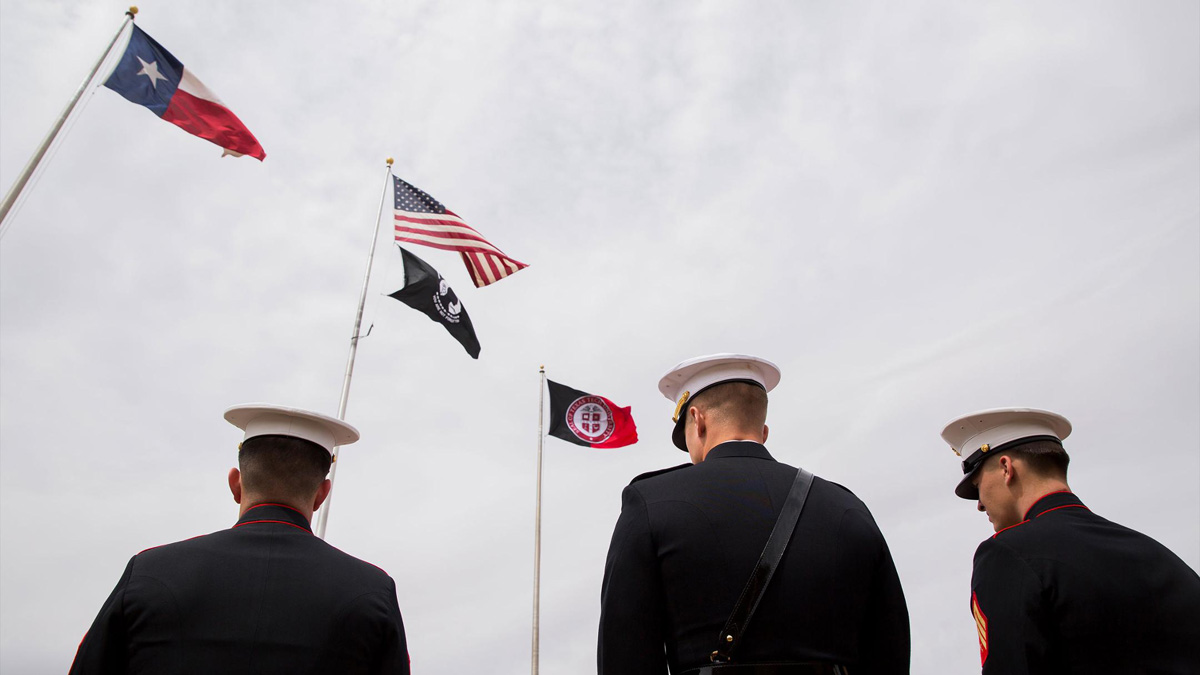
point(426, 291)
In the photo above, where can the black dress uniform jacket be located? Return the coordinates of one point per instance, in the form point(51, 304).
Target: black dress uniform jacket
point(1066, 591)
point(266, 596)
point(686, 542)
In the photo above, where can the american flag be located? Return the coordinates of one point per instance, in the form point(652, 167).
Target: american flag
point(421, 219)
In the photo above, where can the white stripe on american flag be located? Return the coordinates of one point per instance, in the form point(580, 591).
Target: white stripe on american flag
point(447, 243)
point(490, 269)
point(474, 270)
point(483, 262)
point(444, 232)
point(432, 218)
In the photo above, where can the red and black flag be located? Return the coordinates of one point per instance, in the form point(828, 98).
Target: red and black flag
point(585, 419)
point(426, 291)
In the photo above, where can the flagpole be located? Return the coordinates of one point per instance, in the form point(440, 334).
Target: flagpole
point(323, 519)
point(537, 528)
point(19, 185)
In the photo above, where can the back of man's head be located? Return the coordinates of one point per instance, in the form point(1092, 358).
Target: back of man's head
point(736, 406)
point(1047, 459)
point(282, 468)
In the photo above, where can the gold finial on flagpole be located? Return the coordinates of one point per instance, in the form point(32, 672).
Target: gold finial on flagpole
point(389, 161)
point(132, 10)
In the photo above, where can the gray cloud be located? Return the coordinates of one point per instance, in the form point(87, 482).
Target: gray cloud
point(916, 211)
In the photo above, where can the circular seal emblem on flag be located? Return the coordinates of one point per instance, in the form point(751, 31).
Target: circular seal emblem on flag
point(590, 419)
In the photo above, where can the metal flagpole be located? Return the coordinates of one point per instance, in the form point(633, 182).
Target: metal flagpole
point(537, 528)
point(323, 519)
point(15, 191)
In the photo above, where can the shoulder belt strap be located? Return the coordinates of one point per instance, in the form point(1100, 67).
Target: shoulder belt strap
point(777, 543)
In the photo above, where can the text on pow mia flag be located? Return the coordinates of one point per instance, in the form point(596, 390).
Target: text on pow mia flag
point(585, 419)
point(426, 291)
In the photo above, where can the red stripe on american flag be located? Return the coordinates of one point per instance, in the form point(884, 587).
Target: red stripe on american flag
point(431, 221)
point(493, 267)
point(458, 248)
point(475, 278)
point(439, 234)
point(477, 263)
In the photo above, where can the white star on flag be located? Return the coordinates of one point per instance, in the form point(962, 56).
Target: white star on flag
point(150, 70)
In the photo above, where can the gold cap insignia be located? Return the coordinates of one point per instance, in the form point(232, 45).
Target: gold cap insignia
point(956, 451)
point(985, 447)
point(679, 406)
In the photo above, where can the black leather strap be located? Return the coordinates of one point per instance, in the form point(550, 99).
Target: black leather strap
point(770, 669)
point(777, 543)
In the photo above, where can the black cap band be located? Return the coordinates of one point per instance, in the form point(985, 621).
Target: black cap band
point(971, 463)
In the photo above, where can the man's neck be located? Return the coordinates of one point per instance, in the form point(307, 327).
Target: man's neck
point(1033, 493)
point(715, 439)
point(248, 504)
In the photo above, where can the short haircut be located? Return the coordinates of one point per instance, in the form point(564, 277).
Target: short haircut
point(742, 405)
point(282, 467)
point(1047, 458)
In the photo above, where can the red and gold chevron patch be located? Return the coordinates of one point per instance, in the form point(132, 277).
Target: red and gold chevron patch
point(981, 626)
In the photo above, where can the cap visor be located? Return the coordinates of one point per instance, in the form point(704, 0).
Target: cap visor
point(966, 489)
point(677, 436)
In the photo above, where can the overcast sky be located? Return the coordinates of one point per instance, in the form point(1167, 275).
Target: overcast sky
point(917, 210)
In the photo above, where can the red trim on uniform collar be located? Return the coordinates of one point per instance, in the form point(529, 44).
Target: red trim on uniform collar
point(290, 508)
point(1039, 501)
point(1035, 502)
point(1064, 506)
point(1008, 528)
point(289, 516)
point(281, 522)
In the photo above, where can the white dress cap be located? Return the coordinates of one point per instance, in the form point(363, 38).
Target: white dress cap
point(689, 378)
point(974, 436)
point(260, 419)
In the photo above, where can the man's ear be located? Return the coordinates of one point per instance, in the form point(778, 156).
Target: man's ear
point(235, 484)
point(766, 432)
point(322, 493)
point(699, 421)
point(1010, 469)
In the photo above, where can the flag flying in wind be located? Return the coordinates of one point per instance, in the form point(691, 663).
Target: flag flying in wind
point(149, 76)
point(421, 219)
point(426, 291)
point(593, 421)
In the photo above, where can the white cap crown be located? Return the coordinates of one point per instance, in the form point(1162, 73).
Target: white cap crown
point(998, 426)
point(702, 372)
point(259, 419)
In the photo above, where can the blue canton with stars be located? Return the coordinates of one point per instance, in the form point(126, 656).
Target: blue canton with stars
point(147, 74)
point(414, 199)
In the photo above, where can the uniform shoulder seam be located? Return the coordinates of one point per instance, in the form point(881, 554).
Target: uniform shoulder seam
point(659, 472)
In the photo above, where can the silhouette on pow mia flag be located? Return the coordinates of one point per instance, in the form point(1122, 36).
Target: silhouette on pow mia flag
point(426, 291)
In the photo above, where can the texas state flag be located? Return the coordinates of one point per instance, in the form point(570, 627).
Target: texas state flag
point(149, 76)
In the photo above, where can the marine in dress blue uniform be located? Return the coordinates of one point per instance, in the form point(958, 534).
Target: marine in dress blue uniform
point(688, 538)
point(1059, 589)
point(265, 596)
